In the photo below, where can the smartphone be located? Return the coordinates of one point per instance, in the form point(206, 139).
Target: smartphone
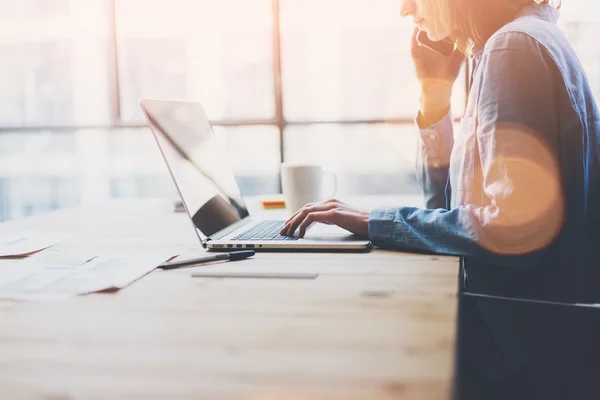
point(442, 47)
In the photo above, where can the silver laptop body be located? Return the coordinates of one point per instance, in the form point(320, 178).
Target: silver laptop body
point(210, 193)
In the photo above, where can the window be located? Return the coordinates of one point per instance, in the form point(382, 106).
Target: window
point(356, 154)
point(57, 70)
point(348, 60)
point(581, 24)
point(327, 81)
point(218, 52)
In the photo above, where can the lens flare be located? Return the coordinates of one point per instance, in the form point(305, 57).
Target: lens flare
point(513, 194)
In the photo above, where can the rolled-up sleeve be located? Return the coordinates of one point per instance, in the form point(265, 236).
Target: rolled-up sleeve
point(522, 210)
point(433, 160)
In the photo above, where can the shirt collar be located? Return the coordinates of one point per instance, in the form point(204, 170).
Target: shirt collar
point(544, 12)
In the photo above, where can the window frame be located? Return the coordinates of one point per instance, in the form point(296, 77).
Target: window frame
point(279, 120)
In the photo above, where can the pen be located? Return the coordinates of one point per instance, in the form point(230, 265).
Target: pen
point(231, 256)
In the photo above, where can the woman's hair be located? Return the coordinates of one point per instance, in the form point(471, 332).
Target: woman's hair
point(474, 21)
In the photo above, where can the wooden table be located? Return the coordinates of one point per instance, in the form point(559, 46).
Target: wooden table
point(371, 326)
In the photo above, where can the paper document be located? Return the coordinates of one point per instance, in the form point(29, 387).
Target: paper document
point(49, 278)
point(27, 243)
point(58, 257)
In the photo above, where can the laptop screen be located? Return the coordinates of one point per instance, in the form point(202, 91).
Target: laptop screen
point(197, 164)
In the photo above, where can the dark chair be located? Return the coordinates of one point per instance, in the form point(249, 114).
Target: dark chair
point(552, 351)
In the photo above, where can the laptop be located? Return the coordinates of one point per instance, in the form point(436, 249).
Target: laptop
point(211, 194)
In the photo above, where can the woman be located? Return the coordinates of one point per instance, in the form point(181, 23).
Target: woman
point(517, 192)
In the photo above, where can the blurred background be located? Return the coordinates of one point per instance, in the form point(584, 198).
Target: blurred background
point(325, 81)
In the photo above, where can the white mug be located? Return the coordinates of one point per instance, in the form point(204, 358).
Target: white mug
point(303, 184)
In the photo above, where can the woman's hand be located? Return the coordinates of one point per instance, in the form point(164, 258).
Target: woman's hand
point(436, 74)
point(332, 212)
point(433, 67)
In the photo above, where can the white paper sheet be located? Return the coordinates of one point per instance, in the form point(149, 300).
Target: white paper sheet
point(50, 280)
point(23, 244)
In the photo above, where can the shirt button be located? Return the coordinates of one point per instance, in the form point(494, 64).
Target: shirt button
point(431, 136)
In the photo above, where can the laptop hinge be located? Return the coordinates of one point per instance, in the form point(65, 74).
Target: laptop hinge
point(205, 242)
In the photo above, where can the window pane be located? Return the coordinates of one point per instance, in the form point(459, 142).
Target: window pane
point(90, 166)
point(582, 27)
point(349, 60)
point(218, 52)
point(57, 73)
point(253, 153)
point(367, 158)
point(137, 169)
point(49, 183)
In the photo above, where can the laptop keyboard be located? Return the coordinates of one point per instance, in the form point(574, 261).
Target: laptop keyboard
point(266, 230)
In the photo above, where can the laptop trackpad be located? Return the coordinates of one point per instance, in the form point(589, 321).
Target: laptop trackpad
point(328, 232)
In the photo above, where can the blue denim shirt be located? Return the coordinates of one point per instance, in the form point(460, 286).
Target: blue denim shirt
point(517, 190)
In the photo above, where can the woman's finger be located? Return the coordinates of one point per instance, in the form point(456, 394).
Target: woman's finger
point(336, 201)
point(291, 226)
point(319, 216)
point(298, 212)
point(293, 217)
point(309, 205)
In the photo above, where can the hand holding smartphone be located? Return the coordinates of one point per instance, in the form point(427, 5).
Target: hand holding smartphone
point(437, 66)
point(441, 47)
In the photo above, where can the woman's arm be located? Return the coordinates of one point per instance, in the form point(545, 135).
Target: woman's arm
point(517, 138)
point(436, 75)
point(433, 158)
point(518, 207)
